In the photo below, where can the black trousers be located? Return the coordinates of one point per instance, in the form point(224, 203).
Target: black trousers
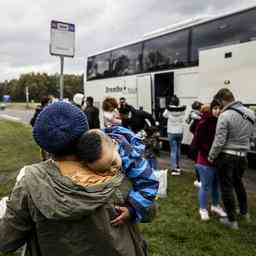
point(231, 169)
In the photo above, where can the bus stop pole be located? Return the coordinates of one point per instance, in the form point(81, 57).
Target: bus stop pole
point(61, 77)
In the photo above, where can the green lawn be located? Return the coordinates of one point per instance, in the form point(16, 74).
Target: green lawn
point(176, 231)
point(17, 148)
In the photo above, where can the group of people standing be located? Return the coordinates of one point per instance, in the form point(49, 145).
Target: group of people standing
point(221, 142)
point(88, 198)
point(221, 139)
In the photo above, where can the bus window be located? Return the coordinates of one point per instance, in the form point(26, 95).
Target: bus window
point(98, 66)
point(167, 51)
point(127, 60)
point(237, 28)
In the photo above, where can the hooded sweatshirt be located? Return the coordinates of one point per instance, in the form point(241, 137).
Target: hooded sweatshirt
point(175, 116)
point(55, 216)
point(233, 130)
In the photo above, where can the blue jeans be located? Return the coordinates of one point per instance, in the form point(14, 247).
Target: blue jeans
point(209, 183)
point(175, 140)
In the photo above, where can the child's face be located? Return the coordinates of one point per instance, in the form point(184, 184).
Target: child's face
point(110, 157)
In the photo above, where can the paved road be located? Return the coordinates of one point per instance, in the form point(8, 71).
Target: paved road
point(23, 116)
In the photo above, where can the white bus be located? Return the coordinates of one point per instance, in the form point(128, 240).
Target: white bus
point(192, 60)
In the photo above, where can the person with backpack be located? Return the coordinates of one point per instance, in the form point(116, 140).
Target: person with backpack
point(175, 115)
point(229, 151)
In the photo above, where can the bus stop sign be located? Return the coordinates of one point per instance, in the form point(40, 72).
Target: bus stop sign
point(62, 42)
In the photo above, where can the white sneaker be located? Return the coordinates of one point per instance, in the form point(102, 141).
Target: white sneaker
point(204, 214)
point(229, 224)
point(175, 172)
point(197, 184)
point(178, 170)
point(218, 210)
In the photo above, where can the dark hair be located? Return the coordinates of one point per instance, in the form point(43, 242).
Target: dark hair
point(44, 100)
point(122, 98)
point(215, 103)
point(174, 100)
point(225, 94)
point(109, 104)
point(196, 105)
point(89, 147)
point(89, 99)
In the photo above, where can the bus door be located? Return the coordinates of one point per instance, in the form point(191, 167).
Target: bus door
point(163, 90)
point(144, 95)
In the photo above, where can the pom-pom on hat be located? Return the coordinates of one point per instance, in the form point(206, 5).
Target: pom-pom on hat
point(58, 127)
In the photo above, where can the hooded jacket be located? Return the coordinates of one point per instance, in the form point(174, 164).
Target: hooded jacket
point(175, 116)
point(145, 185)
point(233, 131)
point(55, 216)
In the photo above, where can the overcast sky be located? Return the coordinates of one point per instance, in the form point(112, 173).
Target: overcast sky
point(100, 24)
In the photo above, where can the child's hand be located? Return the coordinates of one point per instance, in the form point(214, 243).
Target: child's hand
point(123, 216)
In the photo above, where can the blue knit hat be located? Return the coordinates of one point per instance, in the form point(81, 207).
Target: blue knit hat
point(59, 126)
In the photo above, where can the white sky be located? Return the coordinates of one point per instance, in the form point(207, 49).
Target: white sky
point(100, 24)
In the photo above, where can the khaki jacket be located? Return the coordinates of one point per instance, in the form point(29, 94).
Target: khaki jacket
point(55, 216)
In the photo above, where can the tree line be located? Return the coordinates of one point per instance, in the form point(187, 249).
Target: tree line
point(40, 84)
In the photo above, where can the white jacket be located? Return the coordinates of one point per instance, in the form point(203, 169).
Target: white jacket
point(175, 117)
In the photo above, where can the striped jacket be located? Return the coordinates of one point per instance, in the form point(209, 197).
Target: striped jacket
point(137, 169)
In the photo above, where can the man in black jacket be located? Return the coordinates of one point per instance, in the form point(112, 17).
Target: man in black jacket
point(44, 102)
point(92, 114)
point(140, 119)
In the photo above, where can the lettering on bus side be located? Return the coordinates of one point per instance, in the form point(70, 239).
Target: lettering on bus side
point(119, 89)
point(113, 89)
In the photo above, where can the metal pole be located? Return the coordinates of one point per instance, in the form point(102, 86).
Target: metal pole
point(61, 77)
point(27, 97)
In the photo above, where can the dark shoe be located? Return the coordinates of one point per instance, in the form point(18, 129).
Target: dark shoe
point(229, 224)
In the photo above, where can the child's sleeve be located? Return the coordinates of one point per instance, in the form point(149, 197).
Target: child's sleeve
point(137, 169)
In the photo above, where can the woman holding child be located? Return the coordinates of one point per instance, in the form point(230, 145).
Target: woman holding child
point(68, 206)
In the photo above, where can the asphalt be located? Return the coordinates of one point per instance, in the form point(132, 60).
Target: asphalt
point(18, 115)
point(187, 165)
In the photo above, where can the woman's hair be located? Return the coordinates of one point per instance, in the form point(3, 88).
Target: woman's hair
point(215, 103)
point(205, 108)
point(174, 100)
point(109, 104)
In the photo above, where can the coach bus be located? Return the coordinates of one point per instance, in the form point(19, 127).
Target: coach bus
point(192, 59)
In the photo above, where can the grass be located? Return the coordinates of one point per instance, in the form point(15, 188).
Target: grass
point(17, 149)
point(176, 231)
